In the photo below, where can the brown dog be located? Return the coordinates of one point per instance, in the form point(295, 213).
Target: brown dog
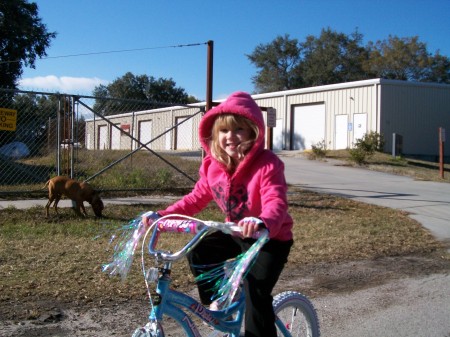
point(74, 190)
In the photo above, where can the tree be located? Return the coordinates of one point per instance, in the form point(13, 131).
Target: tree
point(407, 59)
point(33, 112)
point(439, 69)
point(133, 93)
point(287, 64)
point(398, 58)
point(335, 57)
point(332, 58)
point(23, 38)
point(278, 63)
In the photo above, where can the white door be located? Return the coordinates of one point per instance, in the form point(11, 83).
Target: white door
point(184, 134)
point(341, 132)
point(359, 126)
point(168, 139)
point(145, 133)
point(115, 138)
point(277, 136)
point(103, 137)
point(309, 126)
point(88, 141)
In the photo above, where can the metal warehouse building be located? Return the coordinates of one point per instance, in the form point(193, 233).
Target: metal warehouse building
point(337, 114)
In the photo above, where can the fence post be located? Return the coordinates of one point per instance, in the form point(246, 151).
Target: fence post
point(441, 151)
point(397, 145)
point(58, 138)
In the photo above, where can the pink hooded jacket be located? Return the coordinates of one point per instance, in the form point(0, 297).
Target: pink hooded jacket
point(257, 188)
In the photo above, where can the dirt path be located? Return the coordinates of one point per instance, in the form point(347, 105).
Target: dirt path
point(322, 282)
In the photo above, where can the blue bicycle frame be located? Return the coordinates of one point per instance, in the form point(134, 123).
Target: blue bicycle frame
point(173, 301)
point(176, 305)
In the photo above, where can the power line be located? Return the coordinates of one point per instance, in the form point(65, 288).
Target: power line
point(115, 51)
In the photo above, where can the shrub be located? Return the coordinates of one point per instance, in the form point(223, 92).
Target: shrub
point(358, 155)
point(371, 142)
point(319, 150)
point(366, 146)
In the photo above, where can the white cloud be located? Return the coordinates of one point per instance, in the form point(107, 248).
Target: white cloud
point(63, 84)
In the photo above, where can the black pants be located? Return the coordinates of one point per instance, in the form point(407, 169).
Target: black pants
point(259, 283)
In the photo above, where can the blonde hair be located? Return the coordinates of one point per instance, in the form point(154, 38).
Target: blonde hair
point(231, 121)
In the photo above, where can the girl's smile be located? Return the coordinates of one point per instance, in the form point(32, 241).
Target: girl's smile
point(230, 139)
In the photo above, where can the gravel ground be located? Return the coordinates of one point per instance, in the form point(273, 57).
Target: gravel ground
point(397, 296)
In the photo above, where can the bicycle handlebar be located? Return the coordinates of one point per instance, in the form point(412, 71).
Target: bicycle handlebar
point(189, 226)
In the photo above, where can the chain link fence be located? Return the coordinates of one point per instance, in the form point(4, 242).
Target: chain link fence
point(116, 145)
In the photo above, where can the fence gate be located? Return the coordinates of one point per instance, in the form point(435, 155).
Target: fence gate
point(49, 138)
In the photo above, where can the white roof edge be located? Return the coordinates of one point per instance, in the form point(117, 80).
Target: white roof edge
point(349, 85)
point(319, 88)
point(140, 112)
point(416, 84)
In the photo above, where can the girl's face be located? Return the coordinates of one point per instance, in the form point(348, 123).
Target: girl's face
point(230, 138)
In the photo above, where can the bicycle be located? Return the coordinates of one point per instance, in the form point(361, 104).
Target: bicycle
point(295, 314)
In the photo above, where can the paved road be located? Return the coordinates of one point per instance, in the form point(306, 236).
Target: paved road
point(410, 307)
point(427, 202)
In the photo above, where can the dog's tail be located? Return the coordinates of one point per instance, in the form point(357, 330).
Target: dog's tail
point(46, 184)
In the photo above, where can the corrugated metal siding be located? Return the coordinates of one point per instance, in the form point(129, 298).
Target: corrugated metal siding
point(162, 119)
point(347, 101)
point(415, 112)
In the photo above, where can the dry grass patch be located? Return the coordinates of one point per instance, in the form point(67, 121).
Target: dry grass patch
point(384, 162)
point(60, 259)
point(329, 228)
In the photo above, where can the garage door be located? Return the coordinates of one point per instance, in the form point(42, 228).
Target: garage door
point(309, 126)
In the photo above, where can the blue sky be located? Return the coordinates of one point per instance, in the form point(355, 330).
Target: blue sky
point(149, 29)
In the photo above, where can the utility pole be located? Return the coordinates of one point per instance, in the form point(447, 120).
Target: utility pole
point(209, 80)
point(209, 75)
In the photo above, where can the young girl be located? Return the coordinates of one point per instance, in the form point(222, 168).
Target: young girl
point(247, 182)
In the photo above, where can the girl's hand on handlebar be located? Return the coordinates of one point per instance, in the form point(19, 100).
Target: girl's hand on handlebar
point(250, 225)
point(149, 217)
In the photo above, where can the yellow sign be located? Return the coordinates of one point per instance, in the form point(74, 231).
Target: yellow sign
point(8, 119)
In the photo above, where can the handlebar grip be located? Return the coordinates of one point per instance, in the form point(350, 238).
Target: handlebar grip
point(179, 226)
point(191, 226)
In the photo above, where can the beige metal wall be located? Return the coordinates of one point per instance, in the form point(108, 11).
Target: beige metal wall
point(341, 99)
point(162, 119)
point(415, 111)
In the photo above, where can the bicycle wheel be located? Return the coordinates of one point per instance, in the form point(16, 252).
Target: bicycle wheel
point(297, 314)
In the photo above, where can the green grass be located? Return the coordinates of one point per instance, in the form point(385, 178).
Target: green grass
point(140, 171)
point(60, 259)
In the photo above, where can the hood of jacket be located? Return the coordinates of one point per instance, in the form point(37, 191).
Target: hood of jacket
point(239, 103)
